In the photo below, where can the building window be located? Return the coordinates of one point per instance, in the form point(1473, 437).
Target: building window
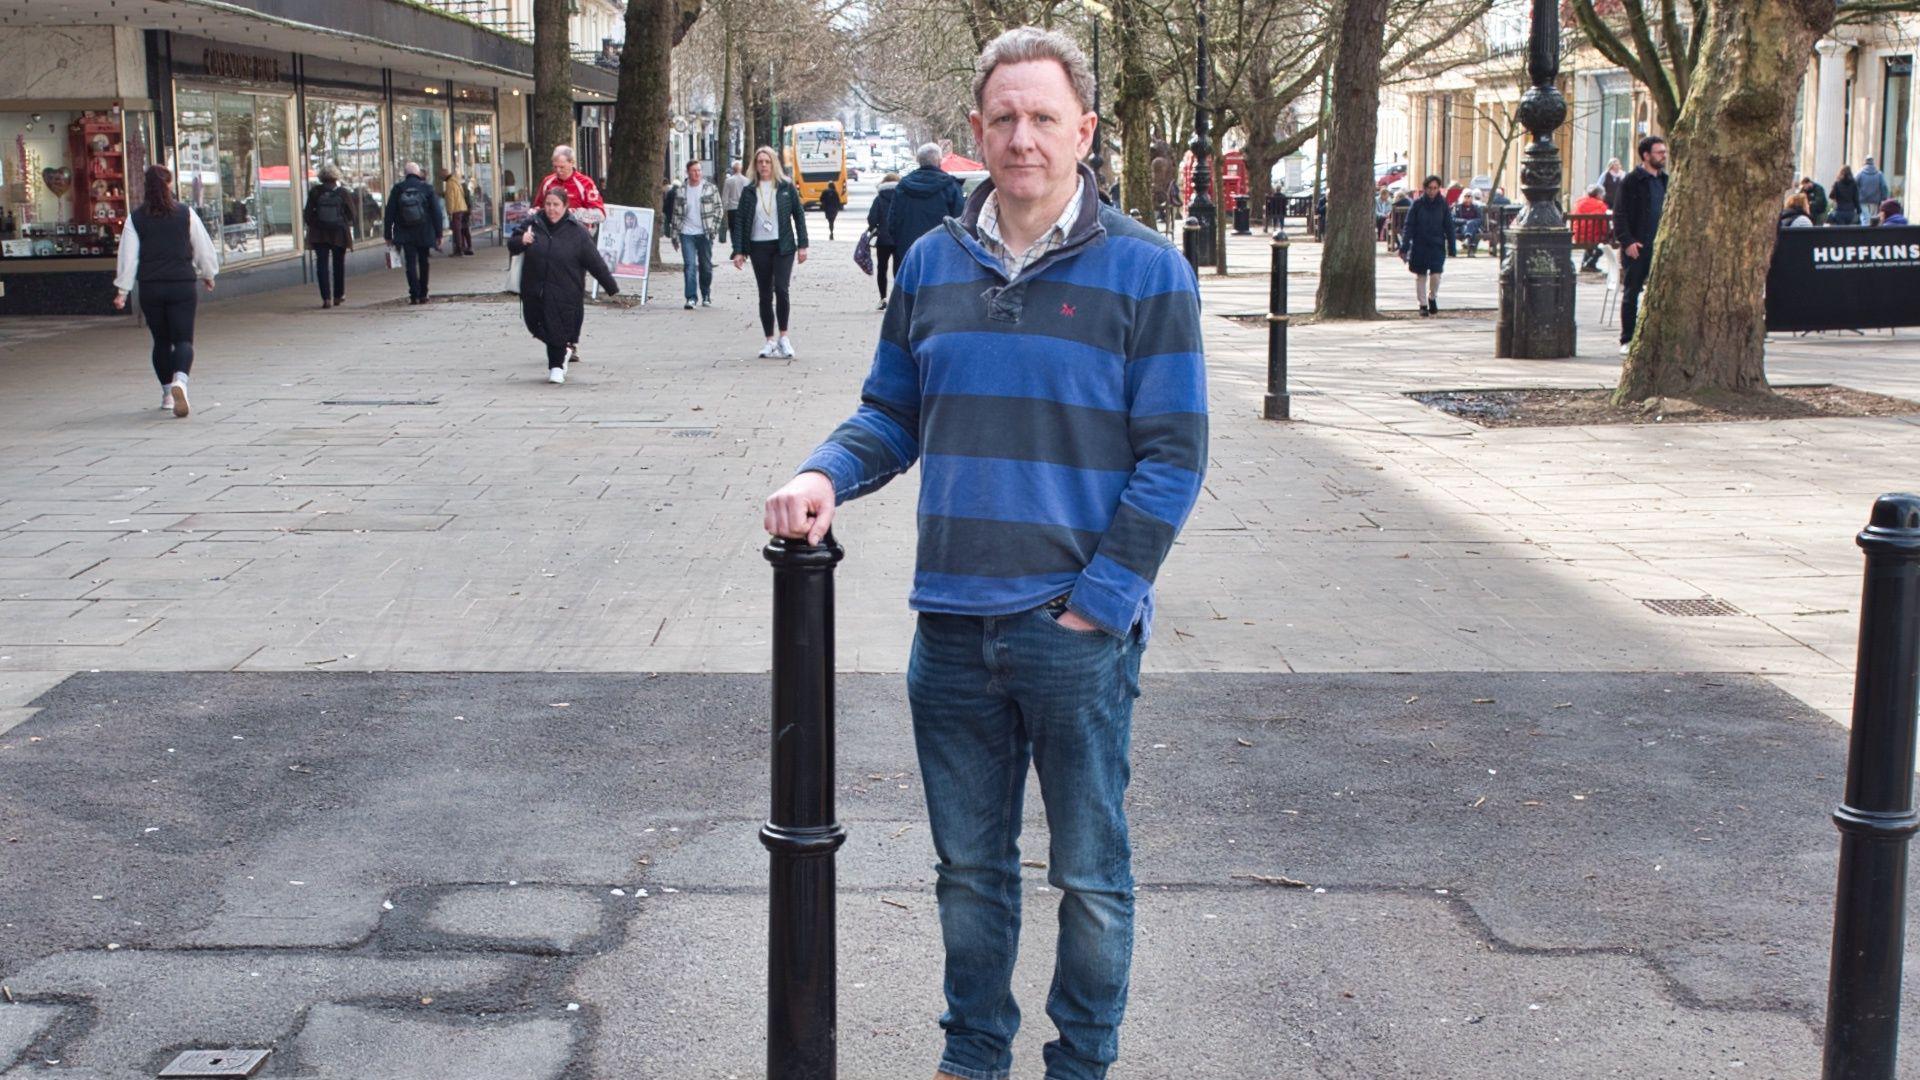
point(420, 135)
point(347, 133)
point(235, 169)
point(1896, 124)
point(473, 160)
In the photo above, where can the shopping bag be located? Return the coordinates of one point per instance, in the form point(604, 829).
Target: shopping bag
point(863, 252)
point(513, 273)
point(394, 260)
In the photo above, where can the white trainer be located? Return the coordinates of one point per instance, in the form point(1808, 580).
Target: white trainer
point(572, 357)
point(166, 396)
point(179, 392)
point(786, 347)
point(770, 349)
point(1625, 349)
point(556, 375)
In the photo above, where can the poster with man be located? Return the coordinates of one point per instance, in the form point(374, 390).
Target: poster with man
point(626, 242)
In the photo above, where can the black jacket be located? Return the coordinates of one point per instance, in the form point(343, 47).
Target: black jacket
point(787, 211)
point(830, 202)
point(1846, 194)
point(1636, 210)
point(340, 236)
point(877, 215)
point(421, 234)
point(552, 279)
point(923, 199)
point(1427, 236)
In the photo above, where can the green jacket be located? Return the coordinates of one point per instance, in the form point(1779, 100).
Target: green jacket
point(787, 211)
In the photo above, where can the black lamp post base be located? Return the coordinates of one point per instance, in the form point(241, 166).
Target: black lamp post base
point(1536, 296)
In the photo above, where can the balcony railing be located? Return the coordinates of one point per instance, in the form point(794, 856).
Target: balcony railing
point(495, 15)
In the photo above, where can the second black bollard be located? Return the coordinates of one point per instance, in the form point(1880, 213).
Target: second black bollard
point(801, 834)
point(1877, 817)
point(1279, 404)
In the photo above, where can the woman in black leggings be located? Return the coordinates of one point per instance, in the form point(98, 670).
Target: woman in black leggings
point(883, 249)
point(164, 249)
point(770, 230)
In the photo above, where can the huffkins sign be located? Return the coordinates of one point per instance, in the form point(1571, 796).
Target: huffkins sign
point(1844, 278)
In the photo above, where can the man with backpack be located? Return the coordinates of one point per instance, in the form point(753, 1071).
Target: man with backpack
point(413, 225)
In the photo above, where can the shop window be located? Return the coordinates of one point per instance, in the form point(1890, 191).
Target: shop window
point(347, 133)
point(236, 171)
point(473, 156)
point(1896, 124)
point(62, 184)
point(420, 136)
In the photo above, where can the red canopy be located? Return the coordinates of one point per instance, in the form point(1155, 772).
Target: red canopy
point(956, 163)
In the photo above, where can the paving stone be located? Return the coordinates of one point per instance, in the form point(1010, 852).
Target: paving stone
point(21, 1024)
point(341, 1042)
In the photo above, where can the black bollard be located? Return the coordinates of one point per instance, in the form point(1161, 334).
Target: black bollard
point(1279, 404)
point(1877, 818)
point(801, 835)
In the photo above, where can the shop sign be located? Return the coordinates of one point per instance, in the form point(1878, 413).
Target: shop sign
point(233, 65)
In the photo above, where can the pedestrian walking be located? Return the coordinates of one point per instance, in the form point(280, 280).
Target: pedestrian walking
point(1845, 194)
point(1590, 225)
point(1873, 188)
point(453, 195)
point(1610, 182)
point(772, 234)
point(1794, 214)
point(1636, 221)
point(1426, 239)
point(413, 225)
point(559, 252)
point(164, 249)
point(884, 249)
point(735, 183)
point(583, 196)
point(331, 219)
point(1057, 473)
point(830, 206)
point(695, 215)
point(925, 197)
point(1816, 199)
point(1276, 209)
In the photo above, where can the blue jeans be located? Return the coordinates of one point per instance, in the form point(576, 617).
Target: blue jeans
point(696, 255)
point(989, 694)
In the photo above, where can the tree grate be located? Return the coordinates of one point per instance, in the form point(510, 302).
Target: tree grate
point(1694, 607)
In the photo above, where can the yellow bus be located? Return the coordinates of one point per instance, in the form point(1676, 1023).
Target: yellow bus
point(815, 155)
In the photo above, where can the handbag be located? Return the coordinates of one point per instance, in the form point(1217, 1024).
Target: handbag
point(513, 272)
point(863, 253)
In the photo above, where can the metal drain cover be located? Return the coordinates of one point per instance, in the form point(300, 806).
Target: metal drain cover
point(1695, 606)
point(206, 1063)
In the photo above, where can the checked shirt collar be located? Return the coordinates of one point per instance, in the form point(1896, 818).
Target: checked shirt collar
point(1050, 241)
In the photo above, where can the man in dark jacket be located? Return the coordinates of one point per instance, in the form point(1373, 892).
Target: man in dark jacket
point(1636, 221)
point(1816, 199)
point(926, 197)
point(413, 225)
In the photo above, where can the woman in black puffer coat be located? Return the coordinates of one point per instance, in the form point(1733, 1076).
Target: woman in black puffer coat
point(558, 253)
point(1425, 242)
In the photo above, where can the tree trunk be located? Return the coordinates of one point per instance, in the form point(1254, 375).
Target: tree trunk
point(646, 87)
point(1133, 106)
point(1702, 329)
point(1347, 250)
point(747, 143)
point(723, 157)
point(552, 78)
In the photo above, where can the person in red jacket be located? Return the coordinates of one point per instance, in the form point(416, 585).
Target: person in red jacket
point(1591, 232)
point(583, 197)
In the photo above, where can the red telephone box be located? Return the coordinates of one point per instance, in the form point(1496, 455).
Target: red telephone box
point(1230, 175)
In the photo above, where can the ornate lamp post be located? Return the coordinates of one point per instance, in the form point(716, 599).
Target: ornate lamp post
point(1536, 271)
point(1199, 225)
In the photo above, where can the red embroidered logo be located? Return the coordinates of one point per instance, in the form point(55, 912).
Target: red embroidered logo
point(1067, 310)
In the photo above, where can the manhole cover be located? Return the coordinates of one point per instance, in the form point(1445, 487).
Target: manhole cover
point(1702, 605)
point(694, 433)
point(205, 1063)
point(382, 401)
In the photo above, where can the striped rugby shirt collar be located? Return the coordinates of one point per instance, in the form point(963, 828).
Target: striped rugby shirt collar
point(1049, 242)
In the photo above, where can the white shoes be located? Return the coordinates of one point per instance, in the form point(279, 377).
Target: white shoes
point(572, 357)
point(166, 396)
point(556, 375)
point(178, 393)
point(1625, 349)
point(883, 305)
point(689, 305)
point(769, 350)
point(708, 302)
point(786, 347)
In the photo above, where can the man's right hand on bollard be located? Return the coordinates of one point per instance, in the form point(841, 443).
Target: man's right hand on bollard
point(803, 509)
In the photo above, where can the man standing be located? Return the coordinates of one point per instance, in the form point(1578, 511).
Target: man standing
point(583, 197)
point(693, 215)
point(413, 225)
point(730, 189)
point(1059, 463)
point(923, 199)
point(1816, 199)
point(1636, 221)
point(453, 192)
point(1873, 192)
